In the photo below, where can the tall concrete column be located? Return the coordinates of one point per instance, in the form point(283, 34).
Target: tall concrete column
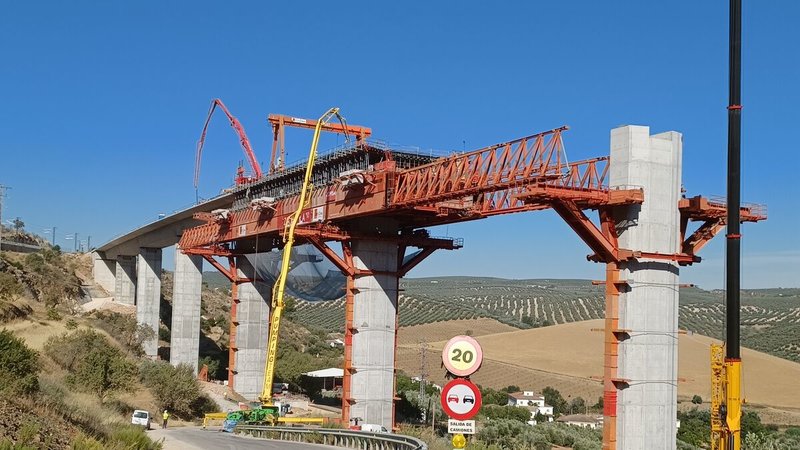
point(186, 292)
point(125, 280)
point(375, 321)
point(251, 335)
point(148, 294)
point(646, 408)
point(104, 272)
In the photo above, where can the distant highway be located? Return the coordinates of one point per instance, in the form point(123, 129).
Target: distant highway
point(194, 438)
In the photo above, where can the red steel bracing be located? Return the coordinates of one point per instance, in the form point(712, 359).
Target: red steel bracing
point(348, 267)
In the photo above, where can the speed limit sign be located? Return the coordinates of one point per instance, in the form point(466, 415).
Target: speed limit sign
point(462, 356)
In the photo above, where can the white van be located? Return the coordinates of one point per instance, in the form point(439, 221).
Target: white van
point(141, 417)
point(373, 428)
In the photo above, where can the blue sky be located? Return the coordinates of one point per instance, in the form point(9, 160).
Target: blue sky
point(103, 103)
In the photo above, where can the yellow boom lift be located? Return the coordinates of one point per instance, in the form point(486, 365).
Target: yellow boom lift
point(270, 410)
point(280, 284)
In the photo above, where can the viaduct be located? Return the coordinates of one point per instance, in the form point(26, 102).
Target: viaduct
point(375, 203)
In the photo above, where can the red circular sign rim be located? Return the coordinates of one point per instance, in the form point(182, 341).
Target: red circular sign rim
point(478, 356)
point(478, 399)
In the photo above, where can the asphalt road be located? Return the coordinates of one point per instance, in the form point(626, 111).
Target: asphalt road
point(193, 438)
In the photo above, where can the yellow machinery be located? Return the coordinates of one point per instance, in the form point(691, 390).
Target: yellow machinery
point(726, 401)
point(269, 410)
point(267, 405)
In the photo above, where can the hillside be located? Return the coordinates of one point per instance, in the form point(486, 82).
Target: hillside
point(569, 357)
point(770, 317)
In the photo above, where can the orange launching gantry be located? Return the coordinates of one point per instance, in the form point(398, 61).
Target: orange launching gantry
point(413, 192)
point(279, 122)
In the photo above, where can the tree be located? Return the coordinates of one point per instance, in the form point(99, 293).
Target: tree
point(213, 365)
point(494, 397)
point(18, 365)
point(18, 224)
point(599, 405)
point(577, 406)
point(697, 400)
point(553, 398)
point(506, 412)
point(175, 389)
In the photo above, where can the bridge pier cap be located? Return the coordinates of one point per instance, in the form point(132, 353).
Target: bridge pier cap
point(648, 306)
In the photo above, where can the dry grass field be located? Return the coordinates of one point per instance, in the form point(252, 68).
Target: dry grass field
point(569, 357)
point(442, 331)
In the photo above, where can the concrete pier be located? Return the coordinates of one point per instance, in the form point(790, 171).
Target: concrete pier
point(375, 321)
point(148, 294)
point(251, 335)
point(104, 272)
point(125, 280)
point(649, 306)
point(186, 293)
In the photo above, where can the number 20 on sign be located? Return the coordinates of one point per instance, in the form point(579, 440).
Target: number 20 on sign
point(462, 356)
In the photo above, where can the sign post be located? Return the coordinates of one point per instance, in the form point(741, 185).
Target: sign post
point(461, 398)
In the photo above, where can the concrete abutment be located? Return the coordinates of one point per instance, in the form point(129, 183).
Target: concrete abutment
point(125, 280)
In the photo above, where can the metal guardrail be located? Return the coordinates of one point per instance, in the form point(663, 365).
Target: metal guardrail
point(335, 437)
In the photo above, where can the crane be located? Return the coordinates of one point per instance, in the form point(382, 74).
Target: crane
point(267, 404)
point(241, 178)
point(726, 373)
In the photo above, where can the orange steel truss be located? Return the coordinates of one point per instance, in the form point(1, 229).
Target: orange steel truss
point(526, 174)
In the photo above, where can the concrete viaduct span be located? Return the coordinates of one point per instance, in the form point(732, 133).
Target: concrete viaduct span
point(375, 203)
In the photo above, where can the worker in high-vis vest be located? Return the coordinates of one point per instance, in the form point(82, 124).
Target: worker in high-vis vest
point(166, 417)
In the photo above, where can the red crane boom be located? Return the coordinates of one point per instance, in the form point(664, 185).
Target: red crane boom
point(246, 147)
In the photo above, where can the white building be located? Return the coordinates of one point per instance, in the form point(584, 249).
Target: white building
point(533, 402)
point(582, 420)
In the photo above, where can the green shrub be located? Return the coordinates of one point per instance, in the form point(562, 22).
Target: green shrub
point(53, 314)
point(9, 287)
point(18, 365)
point(125, 329)
point(175, 389)
point(95, 365)
point(71, 324)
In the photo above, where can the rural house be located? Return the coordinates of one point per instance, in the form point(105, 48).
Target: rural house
point(533, 402)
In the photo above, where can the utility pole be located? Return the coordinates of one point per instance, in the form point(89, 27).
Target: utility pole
point(423, 354)
point(3, 190)
point(53, 237)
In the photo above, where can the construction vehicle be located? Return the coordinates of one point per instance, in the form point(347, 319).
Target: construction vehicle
point(267, 410)
point(726, 373)
point(241, 176)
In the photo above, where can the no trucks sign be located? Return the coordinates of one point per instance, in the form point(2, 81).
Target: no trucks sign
point(461, 399)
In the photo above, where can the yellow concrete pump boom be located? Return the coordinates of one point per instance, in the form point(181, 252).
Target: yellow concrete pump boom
point(288, 236)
